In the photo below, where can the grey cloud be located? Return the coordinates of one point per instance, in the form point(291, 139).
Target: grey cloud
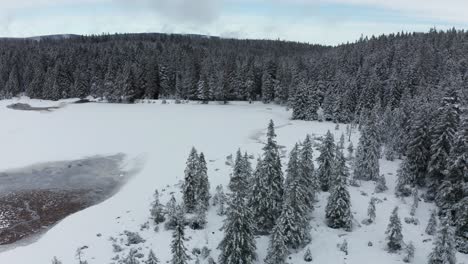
point(182, 11)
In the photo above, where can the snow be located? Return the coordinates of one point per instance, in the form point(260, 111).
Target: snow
point(157, 139)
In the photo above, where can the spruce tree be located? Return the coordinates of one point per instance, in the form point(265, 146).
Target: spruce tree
point(199, 220)
point(131, 258)
point(381, 184)
point(191, 183)
point(152, 259)
point(368, 152)
point(415, 204)
point(308, 255)
point(292, 171)
point(371, 210)
point(431, 227)
point(238, 245)
point(267, 199)
point(306, 170)
point(414, 166)
point(171, 213)
point(325, 160)
point(220, 200)
point(442, 142)
point(277, 249)
point(295, 214)
point(340, 170)
point(241, 175)
point(338, 210)
point(178, 249)
point(157, 209)
point(444, 246)
point(460, 219)
point(203, 189)
point(304, 103)
point(394, 235)
point(405, 179)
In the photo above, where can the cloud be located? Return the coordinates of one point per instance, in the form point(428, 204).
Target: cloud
point(178, 11)
point(446, 10)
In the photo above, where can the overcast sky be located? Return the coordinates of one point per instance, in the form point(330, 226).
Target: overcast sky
point(313, 21)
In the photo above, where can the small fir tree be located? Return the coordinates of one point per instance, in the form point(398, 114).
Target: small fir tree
point(277, 249)
point(152, 259)
point(444, 246)
point(409, 253)
point(178, 249)
point(394, 235)
point(415, 204)
point(308, 255)
point(338, 210)
point(431, 227)
point(371, 210)
point(157, 209)
point(381, 184)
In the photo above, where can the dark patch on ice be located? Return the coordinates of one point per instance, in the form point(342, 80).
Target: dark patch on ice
point(36, 197)
point(27, 107)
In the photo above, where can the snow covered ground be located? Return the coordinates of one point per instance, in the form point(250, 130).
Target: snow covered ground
point(157, 139)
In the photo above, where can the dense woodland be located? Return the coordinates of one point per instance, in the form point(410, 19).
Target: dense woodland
point(407, 93)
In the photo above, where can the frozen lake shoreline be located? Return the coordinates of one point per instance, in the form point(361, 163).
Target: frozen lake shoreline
point(36, 197)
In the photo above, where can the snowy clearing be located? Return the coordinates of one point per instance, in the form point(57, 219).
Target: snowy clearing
point(157, 139)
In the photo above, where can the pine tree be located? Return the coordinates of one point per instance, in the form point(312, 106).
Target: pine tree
point(178, 249)
point(325, 159)
point(203, 189)
point(241, 175)
point(444, 246)
point(306, 170)
point(152, 259)
point(340, 170)
point(368, 152)
point(350, 150)
point(338, 210)
point(171, 213)
point(414, 206)
point(371, 210)
point(238, 245)
point(304, 103)
point(277, 249)
point(442, 142)
point(267, 201)
point(295, 214)
point(394, 235)
point(204, 93)
point(199, 220)
point(431, 227)
point(381, 184)
point(405, 179)
point(220, 200)
point(190, 186)
point(157, 209)
point(130, 258)
point(414, 166)
point(308, 255)
point(293, 167)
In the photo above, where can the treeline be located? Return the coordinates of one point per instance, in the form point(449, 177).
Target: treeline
point(342, 80)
